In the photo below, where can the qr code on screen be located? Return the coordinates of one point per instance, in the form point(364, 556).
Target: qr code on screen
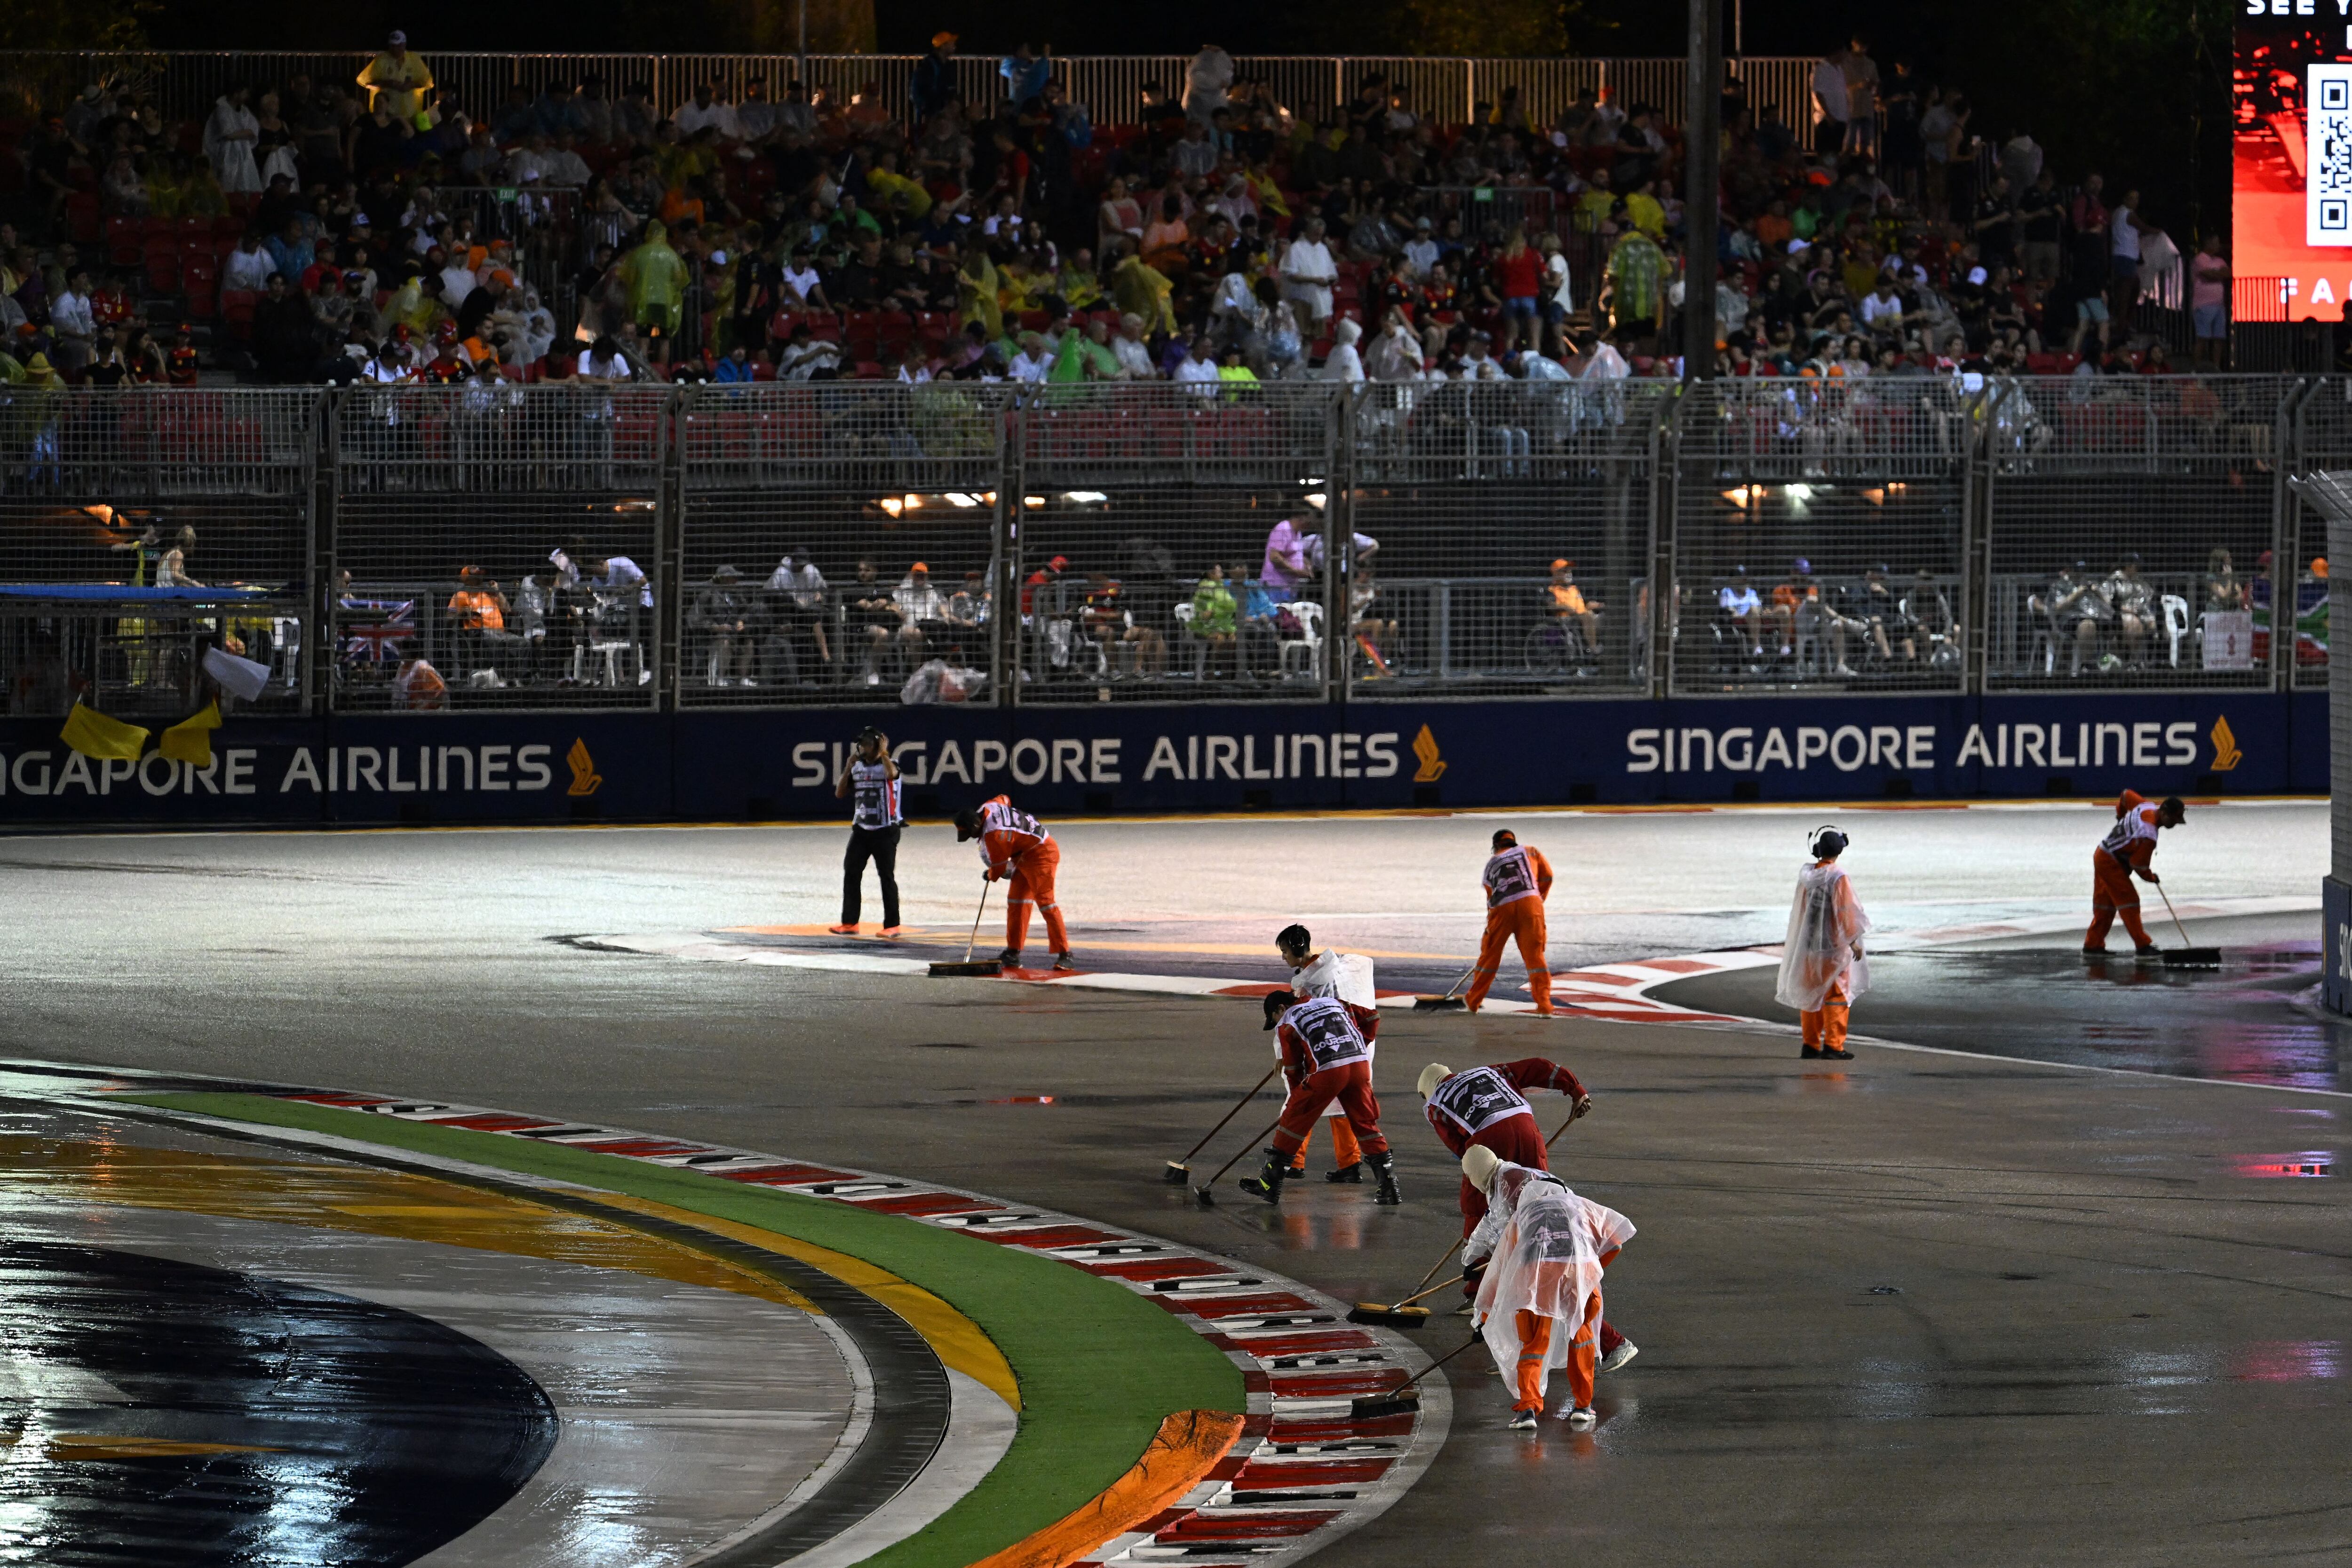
point(2327, 140)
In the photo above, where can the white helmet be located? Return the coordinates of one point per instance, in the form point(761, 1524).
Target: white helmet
point(1435, 1074)
point(1479, 1165)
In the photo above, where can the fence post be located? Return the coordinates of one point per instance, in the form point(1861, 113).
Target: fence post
point(669, 553)
point(1665, 484)
point(2287, 531)
point(325, 485)
point(1975, 546)
point(1339, 540)
point(1004, 643)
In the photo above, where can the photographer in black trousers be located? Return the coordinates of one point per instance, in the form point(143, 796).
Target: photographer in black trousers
point(870, 783)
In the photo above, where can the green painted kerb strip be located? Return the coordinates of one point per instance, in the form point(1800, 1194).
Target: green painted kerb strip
point(1098, 1365)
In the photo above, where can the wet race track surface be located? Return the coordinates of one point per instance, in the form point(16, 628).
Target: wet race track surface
point(168, 1414)
point(1921, 1307)
point(2254, 1021)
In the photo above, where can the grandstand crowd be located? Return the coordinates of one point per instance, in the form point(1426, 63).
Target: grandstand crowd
point(380, 230)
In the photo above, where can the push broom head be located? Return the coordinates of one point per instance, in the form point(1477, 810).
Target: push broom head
point(1208, 1199)
point(1372, 1407)
point(1387, 1317)
point(2191, 958)
point(967, 967)
point(1178, 1175)
point(1438, 1004)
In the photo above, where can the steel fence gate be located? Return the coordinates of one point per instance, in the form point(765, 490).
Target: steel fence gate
point(1818, 535)
point(139, 527)
point(840, 543)
point(505, 536)
point(1503, 537)
point(2126, 521)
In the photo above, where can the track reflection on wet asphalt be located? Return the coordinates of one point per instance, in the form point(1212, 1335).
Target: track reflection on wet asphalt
point(160, 1413)
point(2252, 1021)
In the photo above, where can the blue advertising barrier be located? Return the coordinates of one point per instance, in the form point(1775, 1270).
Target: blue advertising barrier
point(698, 767)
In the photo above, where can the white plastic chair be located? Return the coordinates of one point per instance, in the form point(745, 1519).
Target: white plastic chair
point(1309, 645)
point(2175, 624)
point(1182, 610)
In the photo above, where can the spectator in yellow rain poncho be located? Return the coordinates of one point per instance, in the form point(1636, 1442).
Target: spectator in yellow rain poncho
point(976, 287)
point(1140, 289)
point(655, 275)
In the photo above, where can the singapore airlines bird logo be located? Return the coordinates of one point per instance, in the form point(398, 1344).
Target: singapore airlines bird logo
point(2226, 754)
point(1433, 764)
point(584, 777)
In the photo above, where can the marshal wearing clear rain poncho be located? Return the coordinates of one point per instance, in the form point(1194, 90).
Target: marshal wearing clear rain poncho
point(1823, 953)
point(1544, 1249)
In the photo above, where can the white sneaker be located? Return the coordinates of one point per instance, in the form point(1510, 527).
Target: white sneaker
point(1581, 1419)
point(1523, 1420)
point(1626, 1350)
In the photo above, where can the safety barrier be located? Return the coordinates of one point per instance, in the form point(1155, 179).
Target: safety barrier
point(576, 547)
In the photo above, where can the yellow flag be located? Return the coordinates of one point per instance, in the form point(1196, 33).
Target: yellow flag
point(94, 734)
point(191, 739)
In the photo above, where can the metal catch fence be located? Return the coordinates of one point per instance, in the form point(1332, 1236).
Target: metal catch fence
point(1510, 522)
point(839, 544)
point(589, 545)
point(2127, 519)
point(1174, 540)
point(1818, 529)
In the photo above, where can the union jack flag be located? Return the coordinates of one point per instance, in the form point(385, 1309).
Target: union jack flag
point(376, 638)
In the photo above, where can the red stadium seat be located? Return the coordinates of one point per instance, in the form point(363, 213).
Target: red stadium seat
point(164, 269)
point(125, 242)
point(82, 217)
point(236, 310)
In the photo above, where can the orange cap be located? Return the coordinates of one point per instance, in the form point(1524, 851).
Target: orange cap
point(919, 566)
point(1563, 564)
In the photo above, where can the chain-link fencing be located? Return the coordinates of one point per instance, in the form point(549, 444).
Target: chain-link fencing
point(586, 545)
point(1172, 540)
point(139, 527)
point(2130, 525)
point(507, 537)
point(839, 544)
point(1503, 536)
point(1819, 534)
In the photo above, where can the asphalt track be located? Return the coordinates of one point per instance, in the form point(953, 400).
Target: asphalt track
point(1929, 1308)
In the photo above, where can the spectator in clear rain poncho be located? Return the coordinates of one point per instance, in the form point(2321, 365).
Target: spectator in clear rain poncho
point(1822, 967)
point(1543, 1250)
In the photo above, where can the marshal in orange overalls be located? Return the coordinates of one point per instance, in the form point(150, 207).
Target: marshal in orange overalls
point(1516, 880)
point(1016, 845)
point(2128, 847)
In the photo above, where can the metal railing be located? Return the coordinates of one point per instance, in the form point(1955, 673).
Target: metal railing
point(640, 546)
point(1445, 89)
